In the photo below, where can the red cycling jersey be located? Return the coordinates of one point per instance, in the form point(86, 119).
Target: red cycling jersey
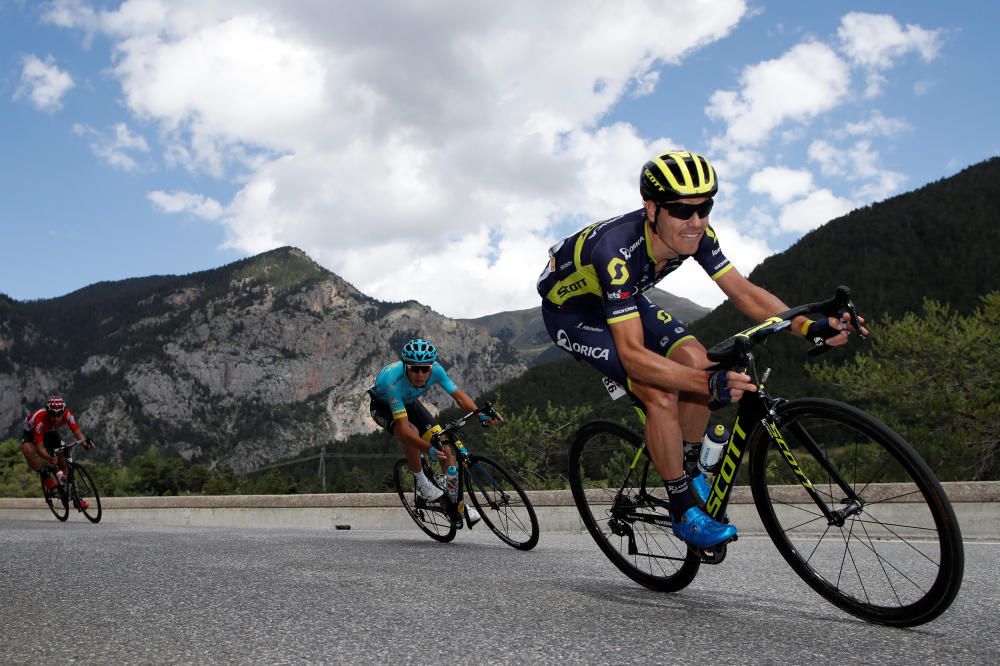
point(40, 423)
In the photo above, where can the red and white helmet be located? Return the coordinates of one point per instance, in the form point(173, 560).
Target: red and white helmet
point(55, 406)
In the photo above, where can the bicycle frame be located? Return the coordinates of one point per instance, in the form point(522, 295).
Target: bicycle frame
point(448, 436)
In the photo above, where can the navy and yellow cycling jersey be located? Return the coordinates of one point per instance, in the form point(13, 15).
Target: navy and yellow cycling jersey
point(609, 264)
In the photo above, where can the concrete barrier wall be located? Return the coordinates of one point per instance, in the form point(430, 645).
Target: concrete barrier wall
point(977, 506)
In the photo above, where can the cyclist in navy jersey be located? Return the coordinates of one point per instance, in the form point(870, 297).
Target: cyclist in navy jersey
point(594, 308)
point(395, 407)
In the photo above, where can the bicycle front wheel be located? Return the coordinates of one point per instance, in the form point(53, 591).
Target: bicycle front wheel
point(622, 502)
point(85, 492)
point(501, 502)
point(890, 551)
point(57, 501)
point(431, 517)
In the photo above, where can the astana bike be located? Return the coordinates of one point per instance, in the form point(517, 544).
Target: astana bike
point(78, 490)
point(848, 503)
point(494, 492)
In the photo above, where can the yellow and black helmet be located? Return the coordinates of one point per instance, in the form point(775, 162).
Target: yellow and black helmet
point(675, 175)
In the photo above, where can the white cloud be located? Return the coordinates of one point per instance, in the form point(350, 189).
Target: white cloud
point(807, 80)
point(43, 84)
point(877, 125)
point(817, 209)
point(876, 41)
point(781, 184)
point(424, 150)
point(859, 164)
point(114, 149)
point(175, 202)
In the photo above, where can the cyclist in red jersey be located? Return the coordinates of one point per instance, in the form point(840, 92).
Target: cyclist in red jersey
point(41, 437)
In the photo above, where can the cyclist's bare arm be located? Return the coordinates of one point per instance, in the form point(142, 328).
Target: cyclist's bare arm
point(759, 304)
point(43, 453)
point(464, 401)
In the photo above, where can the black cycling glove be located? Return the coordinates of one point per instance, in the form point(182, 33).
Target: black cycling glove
point(718, 389)
point(818, 332)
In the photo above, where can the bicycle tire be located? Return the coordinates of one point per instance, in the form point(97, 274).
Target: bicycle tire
point(501, 502)
point(431, 517)
point(57, 501)
point(85, 489)
point(607, 496)
point(899, 559)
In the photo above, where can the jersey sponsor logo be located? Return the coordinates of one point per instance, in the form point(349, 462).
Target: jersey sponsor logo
point(664, 317)
point(617, 271)
point(600, 226)
point(621, 311)
point(565, 265)
point(594, 329)
point(716, 251)
point(562, 340)
point(627, 251)
point(570, 288)
point(720, 264)
point(665, 341)
point(619, 295)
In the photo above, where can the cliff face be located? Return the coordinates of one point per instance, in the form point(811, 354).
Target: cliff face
point(240, 366)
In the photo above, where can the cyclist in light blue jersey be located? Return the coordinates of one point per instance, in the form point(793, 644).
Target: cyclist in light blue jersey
point(395, 406)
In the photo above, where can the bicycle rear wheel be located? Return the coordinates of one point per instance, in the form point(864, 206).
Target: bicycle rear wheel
point(431, 517)
point(894, 556)
point(57, 501)
point(501, 502)
point(624, 507)
point(84, 490)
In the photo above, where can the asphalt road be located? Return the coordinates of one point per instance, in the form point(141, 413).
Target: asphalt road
point(115, 593)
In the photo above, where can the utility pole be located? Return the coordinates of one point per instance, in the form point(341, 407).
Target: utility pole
point(322, 466)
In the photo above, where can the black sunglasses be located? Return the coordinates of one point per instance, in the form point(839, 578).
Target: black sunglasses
point(419, 368)
point(683, 211)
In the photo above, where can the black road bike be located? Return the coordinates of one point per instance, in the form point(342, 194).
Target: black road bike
point(493, 491)
point(78, 488)
point(849, 504)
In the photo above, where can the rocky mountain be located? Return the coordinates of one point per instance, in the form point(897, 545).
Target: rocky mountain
point(240, 365)
point(524, 330)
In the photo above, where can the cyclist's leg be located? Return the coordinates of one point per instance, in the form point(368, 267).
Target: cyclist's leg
point(52, 442)
point(31, 456)
point(381, 413)
point(670, 337)
point(427, 427)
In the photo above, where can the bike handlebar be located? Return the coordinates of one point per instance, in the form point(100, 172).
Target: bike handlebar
point(734, 350)
point(458, 423)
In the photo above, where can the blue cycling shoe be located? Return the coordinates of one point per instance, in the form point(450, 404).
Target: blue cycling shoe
point(701, 486)
point(700, 530)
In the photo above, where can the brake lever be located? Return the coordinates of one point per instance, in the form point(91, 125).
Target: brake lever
point(854, 320)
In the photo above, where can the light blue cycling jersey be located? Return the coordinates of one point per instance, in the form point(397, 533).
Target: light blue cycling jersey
point(393, 388)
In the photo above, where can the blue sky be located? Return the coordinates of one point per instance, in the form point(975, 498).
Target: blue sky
point(434, 150)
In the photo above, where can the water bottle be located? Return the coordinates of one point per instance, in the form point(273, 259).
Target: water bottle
point(712, 446)
point(451, 480)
